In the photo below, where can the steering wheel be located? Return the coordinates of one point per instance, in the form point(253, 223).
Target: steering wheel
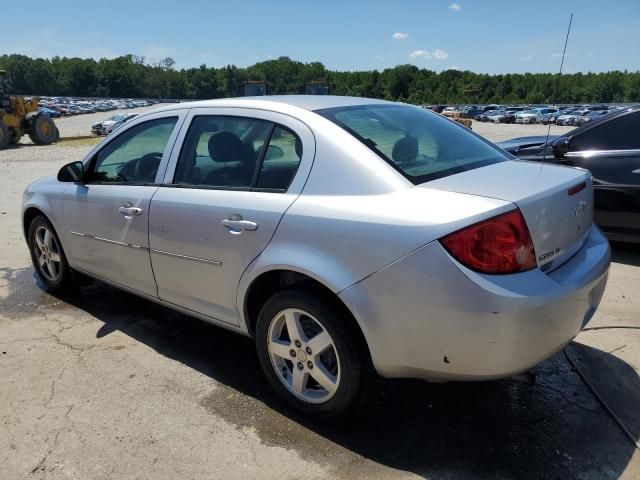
point(146, 167)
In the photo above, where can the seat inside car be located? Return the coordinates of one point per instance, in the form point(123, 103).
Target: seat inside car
point(278, 175)
point(405, 150)
point(227, 147)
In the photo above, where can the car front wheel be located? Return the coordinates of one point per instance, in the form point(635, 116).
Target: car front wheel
point(308, 354)
point(48, 258)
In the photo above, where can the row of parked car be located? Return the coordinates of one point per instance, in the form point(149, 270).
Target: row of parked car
point(571, 115)
point(61, 106)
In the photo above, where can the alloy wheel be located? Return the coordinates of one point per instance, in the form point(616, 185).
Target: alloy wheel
point(303, 356)
point(47, 253)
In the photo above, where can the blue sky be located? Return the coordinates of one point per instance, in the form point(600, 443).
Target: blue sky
point(492, 36)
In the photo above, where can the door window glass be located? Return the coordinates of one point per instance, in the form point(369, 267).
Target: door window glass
point(281, 160)
point(622, 133)
point(222, 151)
point(134, 156)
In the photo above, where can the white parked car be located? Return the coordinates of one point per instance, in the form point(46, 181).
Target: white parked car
point(110, 126)
point(535, 115)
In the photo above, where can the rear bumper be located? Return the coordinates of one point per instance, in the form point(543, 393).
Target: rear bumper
point(426, 316)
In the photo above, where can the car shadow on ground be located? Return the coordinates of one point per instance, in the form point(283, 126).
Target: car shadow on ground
point(627, 253)
point(499, 429)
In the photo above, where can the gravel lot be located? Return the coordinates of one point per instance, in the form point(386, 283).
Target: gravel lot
point(80, 125)
point(497, 132)
point(104, 385)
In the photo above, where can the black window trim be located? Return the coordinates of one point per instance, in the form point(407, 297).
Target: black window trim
point(94, 158)
point(259, 162)
point(329, 114)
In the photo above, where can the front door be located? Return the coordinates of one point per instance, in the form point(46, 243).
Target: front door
point(226, 191)
point(107, 218)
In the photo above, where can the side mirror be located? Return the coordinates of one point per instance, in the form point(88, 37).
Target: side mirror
point(71, 172)
point(560, 147)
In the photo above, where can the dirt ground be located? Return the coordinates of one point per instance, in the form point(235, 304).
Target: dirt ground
point(104, 385)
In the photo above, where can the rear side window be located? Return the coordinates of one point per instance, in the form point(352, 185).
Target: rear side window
point(238, 153)
point(221, 151)
point(622, 133)
point(281, 160)
point(421, 145)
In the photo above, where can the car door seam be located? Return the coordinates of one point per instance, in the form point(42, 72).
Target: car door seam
point(153, 273)
point(273, 234)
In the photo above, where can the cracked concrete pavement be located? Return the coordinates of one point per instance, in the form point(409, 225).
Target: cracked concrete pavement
point(105, 385)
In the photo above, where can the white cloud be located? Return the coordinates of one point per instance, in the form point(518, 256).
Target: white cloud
point(454, 67)
point(270, 57)
point(527, 58)
point(379, 57)
point(400, 36)
point(419, 54)
point(455, 7)
point(591, 55)
point(437, 54)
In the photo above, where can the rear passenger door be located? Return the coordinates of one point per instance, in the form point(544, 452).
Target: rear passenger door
point(233, 174)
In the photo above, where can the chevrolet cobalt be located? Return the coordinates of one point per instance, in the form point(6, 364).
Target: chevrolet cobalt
point(346, 235)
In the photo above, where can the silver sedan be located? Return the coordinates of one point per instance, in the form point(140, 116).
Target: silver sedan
point(348, 236)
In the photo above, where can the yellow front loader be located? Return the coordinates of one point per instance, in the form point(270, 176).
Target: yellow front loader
point(19, 116)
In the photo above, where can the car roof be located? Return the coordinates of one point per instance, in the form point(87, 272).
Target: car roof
point(306, 102)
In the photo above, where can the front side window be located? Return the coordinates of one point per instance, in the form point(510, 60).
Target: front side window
point(421, 145)
point(134, 156)
point(620, 133)
point(237, 153)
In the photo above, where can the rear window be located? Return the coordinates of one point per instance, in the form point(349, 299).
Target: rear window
point(421, 145)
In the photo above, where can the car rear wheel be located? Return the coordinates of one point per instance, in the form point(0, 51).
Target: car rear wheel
point(49, 260)
point(307, 354)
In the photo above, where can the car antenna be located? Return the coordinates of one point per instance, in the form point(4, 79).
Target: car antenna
point(564, 51)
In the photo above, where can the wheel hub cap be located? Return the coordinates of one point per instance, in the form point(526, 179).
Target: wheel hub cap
point(303, 356)
point(47, 253)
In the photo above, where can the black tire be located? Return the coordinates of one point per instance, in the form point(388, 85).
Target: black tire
point(63, 282)
point(16, 135)
point(5, 135)
point(43, 131)
point(352, 361)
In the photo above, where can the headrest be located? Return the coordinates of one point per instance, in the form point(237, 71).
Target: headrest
point(405, 150)
point(298, 147)
point(226, 147)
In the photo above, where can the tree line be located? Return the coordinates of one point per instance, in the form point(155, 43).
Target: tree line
point(131, 76)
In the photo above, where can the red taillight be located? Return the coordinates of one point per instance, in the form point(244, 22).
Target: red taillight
point(500, 244)
point(577, 188)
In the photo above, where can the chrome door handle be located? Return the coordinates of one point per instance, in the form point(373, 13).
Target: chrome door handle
point(236, 226)
point(128, 211)
point(635, 171)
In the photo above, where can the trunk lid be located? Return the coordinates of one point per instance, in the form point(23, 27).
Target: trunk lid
point(558, 219)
